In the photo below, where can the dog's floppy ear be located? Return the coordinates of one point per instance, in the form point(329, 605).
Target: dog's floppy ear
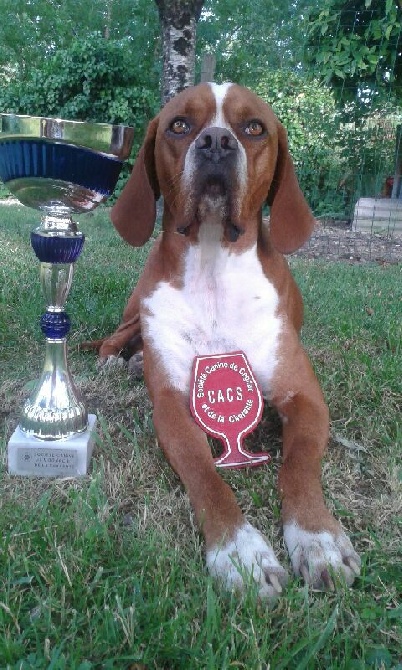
point(291, 220)
point(134, 212)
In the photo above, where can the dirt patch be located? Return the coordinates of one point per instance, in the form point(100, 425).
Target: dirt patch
point(334, 242)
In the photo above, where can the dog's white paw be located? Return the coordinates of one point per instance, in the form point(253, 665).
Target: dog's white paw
point(317, 556)
point(111, 361)
point(247, 556)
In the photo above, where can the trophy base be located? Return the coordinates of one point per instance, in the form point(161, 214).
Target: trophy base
point(70, 457)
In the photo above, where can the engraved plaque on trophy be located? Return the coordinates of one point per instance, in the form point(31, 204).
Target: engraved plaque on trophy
point(60, 168)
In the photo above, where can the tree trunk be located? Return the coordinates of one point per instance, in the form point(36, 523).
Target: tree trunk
point(178, 22)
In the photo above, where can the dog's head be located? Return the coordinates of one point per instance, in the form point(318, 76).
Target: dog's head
point(217, 152)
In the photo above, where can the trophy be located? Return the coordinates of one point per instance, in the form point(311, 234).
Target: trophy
point(60, 168)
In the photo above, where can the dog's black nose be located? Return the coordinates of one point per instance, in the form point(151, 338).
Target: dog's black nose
point(216, 144)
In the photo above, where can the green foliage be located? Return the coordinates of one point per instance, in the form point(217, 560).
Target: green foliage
point(31, 31)
point(93, 79)
point(334, 159)
point(249, 39)
point(308, 111)
point(355, 44)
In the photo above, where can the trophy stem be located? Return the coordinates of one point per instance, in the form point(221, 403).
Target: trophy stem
point(55, 410)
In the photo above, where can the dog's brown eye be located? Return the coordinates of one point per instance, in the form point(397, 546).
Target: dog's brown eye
point(254, 128)
point(179, 127)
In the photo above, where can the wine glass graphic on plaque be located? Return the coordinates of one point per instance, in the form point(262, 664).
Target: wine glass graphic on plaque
point(226, 402)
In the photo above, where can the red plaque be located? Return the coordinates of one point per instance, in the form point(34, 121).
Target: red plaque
point(226, 402)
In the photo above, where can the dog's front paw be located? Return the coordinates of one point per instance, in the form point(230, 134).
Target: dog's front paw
point(111, 361)
point(318, 556)
point(247, 556)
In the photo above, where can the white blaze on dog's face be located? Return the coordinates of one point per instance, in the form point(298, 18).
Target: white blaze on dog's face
point(212, 185)
point(221, 148)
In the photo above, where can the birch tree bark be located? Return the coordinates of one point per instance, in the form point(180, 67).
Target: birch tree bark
point(178, 23)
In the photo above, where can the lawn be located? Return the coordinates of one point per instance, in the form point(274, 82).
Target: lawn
point(107, 572)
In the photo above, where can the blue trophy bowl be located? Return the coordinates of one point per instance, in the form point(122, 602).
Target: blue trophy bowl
point(59, 166)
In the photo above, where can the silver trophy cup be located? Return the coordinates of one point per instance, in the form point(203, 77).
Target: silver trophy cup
point(60, 168)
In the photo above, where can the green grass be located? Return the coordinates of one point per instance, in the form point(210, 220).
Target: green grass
point(107, 571)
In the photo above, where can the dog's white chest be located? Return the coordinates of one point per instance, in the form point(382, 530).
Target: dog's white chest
point(226, 304)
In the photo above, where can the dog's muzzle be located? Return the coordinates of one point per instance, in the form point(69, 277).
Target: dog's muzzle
point(216, 152)
point(215, 174)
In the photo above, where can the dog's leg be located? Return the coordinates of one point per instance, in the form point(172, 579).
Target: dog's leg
point(236, 551)
point(126, 342)
point(317, 545)
point(128, 332)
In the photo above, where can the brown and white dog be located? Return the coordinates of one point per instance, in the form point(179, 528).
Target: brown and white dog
point(216, 282)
